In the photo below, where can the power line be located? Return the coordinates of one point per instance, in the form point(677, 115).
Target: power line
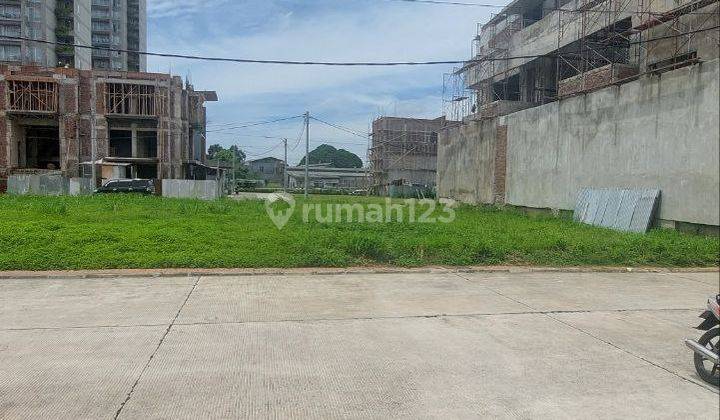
point(264, 136)
point(306, 63)
point(299, 137)
point(266, 151)
point(341, 128)
point(253, 124)
point(237, 60)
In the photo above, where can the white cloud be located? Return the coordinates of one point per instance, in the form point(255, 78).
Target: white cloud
point(171, 8)
point(350, 96)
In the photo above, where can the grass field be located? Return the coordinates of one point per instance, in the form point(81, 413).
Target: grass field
point(44, 233)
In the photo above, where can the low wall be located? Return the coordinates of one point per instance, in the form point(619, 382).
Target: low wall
point(181, 188)
point(48, 185)
point(466, 157)
point(657, 132)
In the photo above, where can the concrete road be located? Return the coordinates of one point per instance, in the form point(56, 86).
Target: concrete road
point(441, 345)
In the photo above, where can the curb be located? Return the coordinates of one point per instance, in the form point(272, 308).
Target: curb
point(157, 273)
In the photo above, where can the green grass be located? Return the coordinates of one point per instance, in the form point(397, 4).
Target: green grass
point(44, 233)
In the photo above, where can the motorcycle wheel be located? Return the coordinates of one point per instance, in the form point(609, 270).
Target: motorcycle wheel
point(708, 371)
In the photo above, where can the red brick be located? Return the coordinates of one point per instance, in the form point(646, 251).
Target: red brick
point(500, 168)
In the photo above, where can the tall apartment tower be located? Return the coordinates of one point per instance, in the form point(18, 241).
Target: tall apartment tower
point(117, 24)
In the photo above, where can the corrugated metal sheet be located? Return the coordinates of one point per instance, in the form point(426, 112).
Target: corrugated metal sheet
point(615, 208)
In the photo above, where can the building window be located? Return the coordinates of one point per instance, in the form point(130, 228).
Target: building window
point(35, 55)
point(101, 64)
point(10, 53)
point(100, 39)
point(33, 32)
point(10, 30)
point(8, 11)
point(100, 26)
point(34, 14)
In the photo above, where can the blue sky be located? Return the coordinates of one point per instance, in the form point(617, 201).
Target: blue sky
point(351, 30)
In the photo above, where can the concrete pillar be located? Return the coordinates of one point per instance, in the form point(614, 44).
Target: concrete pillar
point(17, 150)
point(134, 140)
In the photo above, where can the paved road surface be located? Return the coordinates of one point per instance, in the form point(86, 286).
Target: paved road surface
point(532, 345)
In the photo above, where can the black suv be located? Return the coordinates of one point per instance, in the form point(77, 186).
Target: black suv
point(140, 186)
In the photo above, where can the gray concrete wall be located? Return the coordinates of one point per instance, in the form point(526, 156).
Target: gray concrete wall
point(466, 155)
point(83, 33)
point(53, 185)
point(657, 132)
point(181, 188)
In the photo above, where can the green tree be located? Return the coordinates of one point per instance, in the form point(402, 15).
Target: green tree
point(336, 158)
point(217, 152)
point(345, 159)
point(213, 150)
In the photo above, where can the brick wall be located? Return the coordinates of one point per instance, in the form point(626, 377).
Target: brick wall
point(500, 165)
point(70, 144)
point(84, 93)
point(3, 147)
point(595, 79)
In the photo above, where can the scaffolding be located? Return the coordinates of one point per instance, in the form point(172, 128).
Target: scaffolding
point(458, 100)
point(684, 21)
point(135, 100)
point(400, 154)
point(32, 96)
point(599, 43)
point(618, 40)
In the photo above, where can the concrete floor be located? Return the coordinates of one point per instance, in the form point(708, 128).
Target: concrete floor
point(439, 345)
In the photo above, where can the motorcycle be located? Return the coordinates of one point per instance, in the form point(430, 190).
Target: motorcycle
point(707, 347)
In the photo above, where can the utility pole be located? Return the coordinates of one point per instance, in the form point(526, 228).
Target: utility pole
point(307, 153)
point(285, 179)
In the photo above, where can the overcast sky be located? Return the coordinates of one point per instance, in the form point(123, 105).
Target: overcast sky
point(329, 30)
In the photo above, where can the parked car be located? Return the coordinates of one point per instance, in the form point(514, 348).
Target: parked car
point(139, 186)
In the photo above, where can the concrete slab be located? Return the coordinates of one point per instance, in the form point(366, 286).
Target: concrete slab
point(363, 345)
point(71, 374)
point(657, 336)
point(277, 298)
point(598, 291)
point(60, 303)
point(506, 366)
point(712, 279)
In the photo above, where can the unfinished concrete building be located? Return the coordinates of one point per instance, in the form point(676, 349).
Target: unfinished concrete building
point(561, 96)
point(539, 51)
point(129, 125)
point(404, 151)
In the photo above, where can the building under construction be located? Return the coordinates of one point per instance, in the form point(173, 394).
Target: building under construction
point(404, 151)
point(126, 125)
point(539, 51)
point(559, 96)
